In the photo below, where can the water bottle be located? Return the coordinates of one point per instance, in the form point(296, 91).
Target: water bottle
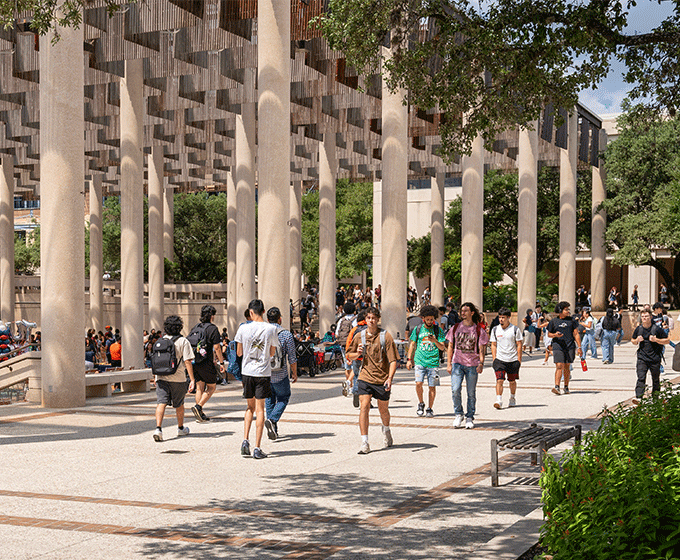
point(584, 366)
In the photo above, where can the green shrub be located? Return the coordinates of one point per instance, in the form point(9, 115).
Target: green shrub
point(620, 498)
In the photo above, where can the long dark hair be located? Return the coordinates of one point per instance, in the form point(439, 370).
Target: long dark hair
point(473, 309)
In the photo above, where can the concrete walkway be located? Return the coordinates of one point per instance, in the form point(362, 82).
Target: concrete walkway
point(91, 483)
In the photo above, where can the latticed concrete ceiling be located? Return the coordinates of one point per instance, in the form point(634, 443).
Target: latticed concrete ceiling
point(198, 55)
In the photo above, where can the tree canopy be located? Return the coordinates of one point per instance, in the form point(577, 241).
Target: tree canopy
point(500, 63)
point(643, 193)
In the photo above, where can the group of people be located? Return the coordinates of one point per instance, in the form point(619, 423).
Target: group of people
point(362, 299)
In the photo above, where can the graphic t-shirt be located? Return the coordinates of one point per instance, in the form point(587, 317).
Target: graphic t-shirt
point(466, 346)
point(566, 326)
point(649, 351)
point(257, 339)
point(427, 353)
point(506, 342)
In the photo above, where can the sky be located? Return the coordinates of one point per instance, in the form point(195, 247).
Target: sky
point(607, 98)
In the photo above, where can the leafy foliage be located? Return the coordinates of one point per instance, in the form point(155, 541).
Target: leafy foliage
point(643, 192)
point(27, 252)
point(619, 498)
point(499, 63)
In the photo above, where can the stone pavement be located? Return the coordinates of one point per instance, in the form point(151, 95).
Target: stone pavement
point(91, 482)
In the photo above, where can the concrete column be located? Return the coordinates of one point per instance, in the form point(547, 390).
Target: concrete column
point(437, 240)
point(647, 279)
point(169, 223)
point(526, 225)
point(377, 234)
point(156, 262)
point(296, 240)
point(394, 201)
point(245, 204)
point(62, 251)
point(131, 213)
point(598, 263)
point(96, 255)
point(233, 319)
point(273, 162)
point(328, 169)
point(472, 223)
point(568, 162)
point(7, 238)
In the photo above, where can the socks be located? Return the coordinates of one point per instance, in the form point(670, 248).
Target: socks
point(364, 439)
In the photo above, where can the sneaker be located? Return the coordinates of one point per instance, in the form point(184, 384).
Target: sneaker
point(636, 400)
point(458, 422)
point(566, 390)
point(469, 424)
point(556, 390)
point(544, 364)
point(259, 454)
point(198, 413)
point(421, 409)
point(499, 402)
point(271, 432)
point(183, 431)
point(345, 388)
point(512, 401)
point(364, 449)
point(245, 448)
point(429, 413)
point(387, 437)
point(356, 400)
point(158, 435)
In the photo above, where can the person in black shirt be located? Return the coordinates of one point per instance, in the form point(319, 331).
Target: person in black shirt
point(204, 370)
point(650, 339)
point(563, 331)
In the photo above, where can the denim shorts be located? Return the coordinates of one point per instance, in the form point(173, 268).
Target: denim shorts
point(431, 373)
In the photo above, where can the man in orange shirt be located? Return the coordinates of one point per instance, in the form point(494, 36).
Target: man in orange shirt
point(356, 364)
point(115, 350)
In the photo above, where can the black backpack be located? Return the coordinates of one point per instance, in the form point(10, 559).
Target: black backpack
point(198, 338)
point(163, 358)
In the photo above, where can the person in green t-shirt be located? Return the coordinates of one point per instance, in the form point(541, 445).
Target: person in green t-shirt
point(426, 342)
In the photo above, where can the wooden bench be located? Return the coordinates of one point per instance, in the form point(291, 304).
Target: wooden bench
point(534, 440)
point(131, 381)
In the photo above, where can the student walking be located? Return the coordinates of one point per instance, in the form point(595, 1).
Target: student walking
point(650, 340)
point(506, 351)
point(563, 331)
point(610, 328)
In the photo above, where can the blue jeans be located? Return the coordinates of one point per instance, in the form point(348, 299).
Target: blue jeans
point(356, 368)
point(608, 342)
point(589, 341)
point(470, 374)
point(277, 403)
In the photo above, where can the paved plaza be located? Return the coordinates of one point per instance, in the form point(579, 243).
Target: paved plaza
point(91, 483)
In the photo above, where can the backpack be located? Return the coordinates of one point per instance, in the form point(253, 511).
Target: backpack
point(599, 328)
point(344, 327)
point(278, 360)
point(382, 340)
point(234, 360)
point(198, 338)
point(163, 358)
point(436, 331)
point(455, 328)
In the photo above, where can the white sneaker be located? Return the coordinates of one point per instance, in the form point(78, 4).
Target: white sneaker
point(512, 401)
point(469, 424)
point(499, 402)
point(345, 388)
point(458, 422)
point(158, 435)
point(364, 449)
point(387, 437)
point(183, 431)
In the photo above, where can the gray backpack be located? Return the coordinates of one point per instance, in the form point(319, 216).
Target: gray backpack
point(278, 360)
point(382, 340)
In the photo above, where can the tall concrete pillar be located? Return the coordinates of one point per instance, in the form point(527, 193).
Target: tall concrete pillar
point(598, 263)
point(245, 202)
point(526, 225)
point(437, 240)
point(394, 201)
point(233, 319)
point(273, 161)
point(156, 262)
point(7, 238)
point(472, 223)
point(96, 255)
point(131, 213)
point(169, 223)
point(377, 234)
point(568, 162)
point(328, 169)
point(295, 240)
point(62, 252)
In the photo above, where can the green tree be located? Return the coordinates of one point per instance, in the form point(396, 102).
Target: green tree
point(643, 193)
point(499, 63)
point(27, 252)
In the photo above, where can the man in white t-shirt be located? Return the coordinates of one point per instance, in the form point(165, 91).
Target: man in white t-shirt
point(506, 350)
point(257, 343)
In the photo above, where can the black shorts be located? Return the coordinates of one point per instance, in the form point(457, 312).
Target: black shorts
point(377, 391)
point(170, 392)
point(257, 387)
point(509, 368)
point(206, 372)
point(563, 356)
